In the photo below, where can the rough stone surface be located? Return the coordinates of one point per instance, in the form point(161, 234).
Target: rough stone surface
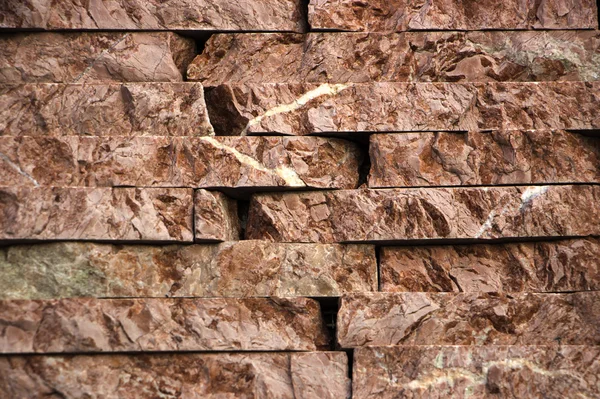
point(400, 15)
point(212, 376)
point(417, 318)
point(221, 15)
point(130, 109)
point(148, 214)
point(479, 372)
point(250, 163)
point(215, 217)
point(232, 269)
point(94, 57)
point(554, 266)
point(426, 214)
point(498, 157)
point(297, 109)
point(335, 57)
point(161, 324)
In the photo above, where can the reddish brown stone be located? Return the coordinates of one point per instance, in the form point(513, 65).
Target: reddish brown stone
point(130, 109)
point(442, 372)
point(499, 157)
point(554, 266)
point(418, 318)
point(426, 214)
point(129, 214)
point(399, 15)
point(161, 324)
point(336, 57)
point(215, 217)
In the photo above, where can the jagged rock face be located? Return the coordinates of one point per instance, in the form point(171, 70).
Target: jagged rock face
point(161, 324)
point(417, 318)
point(215, 217)
point(399, 15)
point(476, 371)
point(336, 57)
point(224, 15)
point(569, 265)
point(426, 214)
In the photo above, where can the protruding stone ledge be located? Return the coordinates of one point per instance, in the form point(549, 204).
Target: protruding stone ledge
point(401, 15)
point(129, 109)
point(215, 217)
point(476, 371)
point(553, 266)
point(232, 269)
point(491, 158)
point(299, 109)
point(336, 57)
point(394, 215)
point(161, 324)
point(182, 15)
point(122, 214)
point(243, 163)
point(416, 318)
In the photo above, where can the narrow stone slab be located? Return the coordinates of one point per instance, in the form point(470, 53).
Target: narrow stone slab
point(481, 372)
point(130, 214)
point(130, 109)
point(553, 266)
point(215, 217)
point(337, 57)
point(188, 15)
point(161, 324)
point(298, 109)
point(417, 318)
point(498, 157)
point(249, 163)
point(426, 214)
point(231, 269)
point(310, 375)
point(94, 57)
point(400, 15)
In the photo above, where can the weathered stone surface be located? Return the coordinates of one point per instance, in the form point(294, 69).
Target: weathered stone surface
point(311, 375)
point(498, 157)
point(417, 318)
point(478, 372)
point(553, 266)
point(161, 324)
point(215, 217)
point(400, 15)
point(222, 15)
point(426, 214)
point(251, 163)
point(130, 109)
point(94, 57)
point(44, 213)
point(335, 57)
point(232, 269)
point(297, 109)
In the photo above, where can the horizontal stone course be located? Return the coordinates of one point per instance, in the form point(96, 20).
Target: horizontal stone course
point(161, 324)
point(417, 318)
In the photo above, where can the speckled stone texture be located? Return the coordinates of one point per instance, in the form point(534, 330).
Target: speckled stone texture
point(161, 324)
point(251, 163)
point(109, 109)
point(298, 109)
point(231, 269)
point(416, 318)
point(439, 372)
point(123, 214)
point(192, 15)
point(400, 15)
point(336, 57)
point(311, 375)
point(491, 158)
point(215, 217)
point(94, 57)
point(426, 214)
point(553, 266)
